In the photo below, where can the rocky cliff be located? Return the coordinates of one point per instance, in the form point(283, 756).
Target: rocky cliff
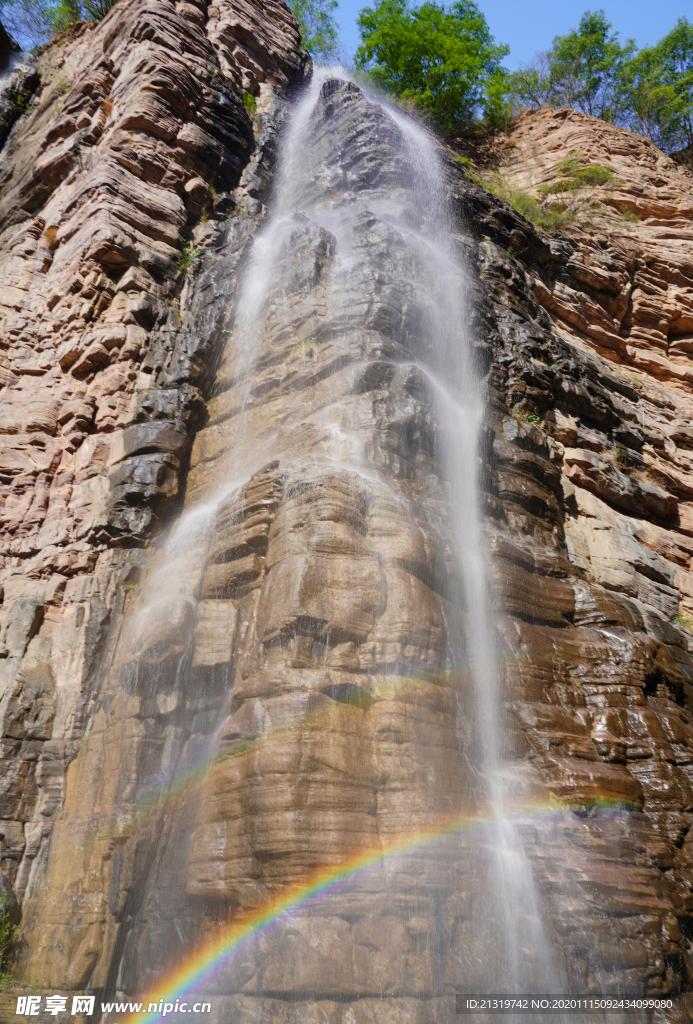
point(595, 325)
point(135, 133)
point(312, 605)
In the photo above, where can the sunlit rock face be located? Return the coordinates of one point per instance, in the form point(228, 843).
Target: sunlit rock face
point(128, 126)
point(610, 397)
point(279, 685)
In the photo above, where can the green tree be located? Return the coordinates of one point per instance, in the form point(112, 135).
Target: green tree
point(95, 10)
point(534, 85)
point(587, 65)
point(650, 91)
point(441, 58)
point(65, 13)
point(319, 30)
point(29, 22)
point(584, 69)
point(658, 83)
point(32, 22)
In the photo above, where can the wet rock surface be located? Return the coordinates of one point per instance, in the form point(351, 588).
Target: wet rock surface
point(604, 411)
point(313, 618)
point(103, 133)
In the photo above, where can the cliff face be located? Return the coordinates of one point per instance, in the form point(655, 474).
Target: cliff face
point(301, 606)
point(595, 328)
point(138, 126)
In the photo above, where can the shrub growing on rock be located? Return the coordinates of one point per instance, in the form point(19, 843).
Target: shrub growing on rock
point(576, 173)
point(10, 916)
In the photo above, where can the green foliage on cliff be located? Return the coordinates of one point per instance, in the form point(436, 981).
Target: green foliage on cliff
point(440, 58)
point(319, 30)
point(32, 22)
point(188, 254)
point(576, 173)
point(8, 931)
point(549, 218)
point(20, 100)
point(574, 189)
point(650, 91)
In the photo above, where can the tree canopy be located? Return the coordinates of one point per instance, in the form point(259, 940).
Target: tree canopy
point(32, 22)
point(587, 64)
point(318, 28)
point(442, 58)
point(650, 91)
point(658, 87)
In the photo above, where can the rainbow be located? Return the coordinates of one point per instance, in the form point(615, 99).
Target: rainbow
point(155, 798)
point(204, 961)
point(161, 795)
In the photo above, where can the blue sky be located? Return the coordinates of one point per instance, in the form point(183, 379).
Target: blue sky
point(528, 26)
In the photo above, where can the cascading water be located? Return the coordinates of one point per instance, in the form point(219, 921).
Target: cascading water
point(14, 60)
point(459, 401)
point(396, 206)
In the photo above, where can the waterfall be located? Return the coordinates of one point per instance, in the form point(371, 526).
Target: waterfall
point(459, 401)
point(340, 212)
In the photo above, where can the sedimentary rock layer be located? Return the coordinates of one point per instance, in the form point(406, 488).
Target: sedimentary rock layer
point(134, 128)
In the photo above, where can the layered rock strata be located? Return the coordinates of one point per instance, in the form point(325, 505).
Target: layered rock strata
point(297, 610)
point(308, 609)
point(597, 376)
point(127, 137)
